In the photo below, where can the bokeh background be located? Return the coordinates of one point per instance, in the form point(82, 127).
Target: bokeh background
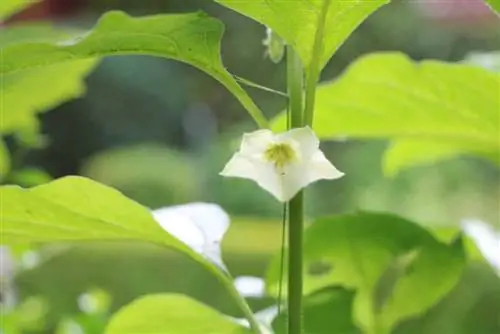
point(160, 131)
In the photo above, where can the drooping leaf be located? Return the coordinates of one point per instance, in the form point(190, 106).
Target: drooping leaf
point(326, 311)
point(75, 209)
point(298, 21)
point(28, 92)
point(494, 5)
point(171, 314)
point(406, 153)
point(11, 7)
point(48, 87)
point(4, 159)
point(437, 107)
point(355, 251)
point(191, 38)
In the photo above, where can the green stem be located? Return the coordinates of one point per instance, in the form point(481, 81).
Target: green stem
point(314, 68)
point(295, 76)
point(243, 305)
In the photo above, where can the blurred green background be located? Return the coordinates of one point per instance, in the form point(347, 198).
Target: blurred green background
point(160, 131)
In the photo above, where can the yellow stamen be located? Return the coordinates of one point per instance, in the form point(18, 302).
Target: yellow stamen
point(280, 154)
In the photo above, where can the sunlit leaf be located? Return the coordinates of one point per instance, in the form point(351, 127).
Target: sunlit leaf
point(75, 209)
point(438, 107)
point(191, 38)
point(48, 86)
point(297, 21)
point(355, 251)
point(494, 5)
point(171, 314)
point(407, 153)
point(11, 7)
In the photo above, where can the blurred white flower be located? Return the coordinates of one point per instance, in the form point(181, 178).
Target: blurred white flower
point(201, 226)
point(282, 164)
point(250, 286)
point(8, 296)
point(486, 239)
point(264, 317)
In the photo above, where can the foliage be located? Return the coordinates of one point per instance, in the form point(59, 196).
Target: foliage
point(190, 38)
point(386, 259)
point(430, 110)
point(184, 315)
point(372, 271)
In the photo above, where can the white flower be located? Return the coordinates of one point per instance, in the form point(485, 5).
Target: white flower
point(282, 164)
point(250, 286)
point(201, 226)
point(486, 239)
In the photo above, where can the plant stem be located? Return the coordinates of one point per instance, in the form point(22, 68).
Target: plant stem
point(295, 76)
point(314, 68)
point(243, 305)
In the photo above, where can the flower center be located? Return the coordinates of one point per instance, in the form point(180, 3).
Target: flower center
point(280, 154)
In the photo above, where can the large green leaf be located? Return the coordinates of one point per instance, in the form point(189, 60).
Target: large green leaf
point(171, 314)
point(396, 267)
point(431, 106)
point(10, 7)
point(495, 5)
point(190, 38)
point(325, 312)
point(77, 209)
point(297, 22)
point(47, 86)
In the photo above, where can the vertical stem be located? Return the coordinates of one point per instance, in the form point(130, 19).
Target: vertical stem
point(295, 76)
point(314, 68)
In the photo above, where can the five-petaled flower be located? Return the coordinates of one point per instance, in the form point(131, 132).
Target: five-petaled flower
point(282, 164)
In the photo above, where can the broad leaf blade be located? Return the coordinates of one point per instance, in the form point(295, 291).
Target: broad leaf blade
point(75, 209)
point(326, 311)
point(387, 95)
point(48, 86)
point(494, 5)
point(297, 21)
point(172, 314)
point(11, 7)
point(354, 251)
point(406, 153)
point(190, 38)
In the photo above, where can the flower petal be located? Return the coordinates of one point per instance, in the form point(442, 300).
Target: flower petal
point(256, 142)
point(201, 226)
point(305, 137)
point(320, 168)
point(240, 166)
point(486, 239)
point(250, 286)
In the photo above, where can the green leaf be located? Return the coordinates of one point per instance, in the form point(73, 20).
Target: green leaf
point(494, 5)
point(407, 153)
point(326, 311)
point(49, 86)
point(11, 7)
point(4, 159)
point(75, 209)
point(170, 314)
point(191, 38)
point(431, 106)
point(356, 251)
point(297, 22)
